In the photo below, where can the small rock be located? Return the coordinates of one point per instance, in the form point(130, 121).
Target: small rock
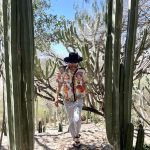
point(107, 147)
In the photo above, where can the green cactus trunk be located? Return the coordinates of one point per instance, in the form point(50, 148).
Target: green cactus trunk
point(19, 61)
point(140, 139)
point(129, 138)
point(121, 106)
point(108, 74)
point(117, 25)
point(129, 58)
point(118, 76)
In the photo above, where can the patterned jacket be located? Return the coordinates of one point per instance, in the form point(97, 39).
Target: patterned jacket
point(73, 87)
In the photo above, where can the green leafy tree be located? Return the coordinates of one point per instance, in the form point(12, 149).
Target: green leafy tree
point(45, 24)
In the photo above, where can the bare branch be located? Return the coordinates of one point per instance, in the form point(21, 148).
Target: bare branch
point(139, 114)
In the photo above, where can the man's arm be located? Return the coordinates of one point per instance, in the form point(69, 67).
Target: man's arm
point(59, 80)
point(58, 89)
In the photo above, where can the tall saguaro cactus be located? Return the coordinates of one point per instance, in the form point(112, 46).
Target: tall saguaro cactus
point(108, 73)
point(119, 76)
point(129, 58)
point(19, 61)
point(117, 24)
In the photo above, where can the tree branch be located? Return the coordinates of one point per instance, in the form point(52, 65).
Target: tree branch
point(139, 114)
point(61, 102)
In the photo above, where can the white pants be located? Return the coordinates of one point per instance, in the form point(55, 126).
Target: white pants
point(73, 110)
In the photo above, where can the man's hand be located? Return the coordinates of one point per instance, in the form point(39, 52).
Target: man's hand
point(56, 102)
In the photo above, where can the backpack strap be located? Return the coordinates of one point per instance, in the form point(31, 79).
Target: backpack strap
point(73, 84)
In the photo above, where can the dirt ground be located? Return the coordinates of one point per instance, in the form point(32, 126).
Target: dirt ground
point(93, 137)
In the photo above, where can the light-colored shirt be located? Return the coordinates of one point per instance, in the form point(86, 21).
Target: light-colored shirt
point(64, 77)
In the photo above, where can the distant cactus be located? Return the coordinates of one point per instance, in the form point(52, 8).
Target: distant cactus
point(60, 127)
point(40, 127)
point(48, 71)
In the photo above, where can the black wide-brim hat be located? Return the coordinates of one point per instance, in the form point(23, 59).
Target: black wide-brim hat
point(73, 58)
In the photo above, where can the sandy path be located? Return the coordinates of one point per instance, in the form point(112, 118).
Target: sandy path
point(92, 138)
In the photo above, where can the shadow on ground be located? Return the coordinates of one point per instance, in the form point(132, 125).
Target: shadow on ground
point(42, 145)
point(84, 147)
